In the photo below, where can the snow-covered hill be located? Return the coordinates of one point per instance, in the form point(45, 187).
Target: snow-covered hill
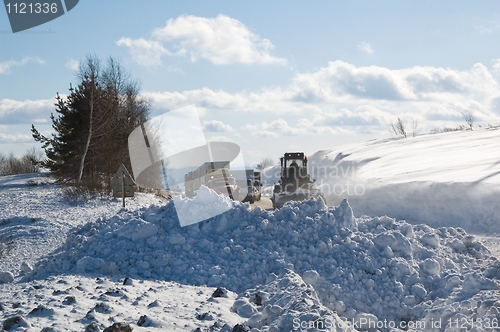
point(306, 267)
point(447, 179)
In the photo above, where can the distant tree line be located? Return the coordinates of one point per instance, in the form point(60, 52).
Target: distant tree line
point(30, 162)
point(399, 128)
point(265, 162)
point(92, 125)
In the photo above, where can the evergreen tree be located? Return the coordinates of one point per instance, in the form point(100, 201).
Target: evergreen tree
point(92, 125)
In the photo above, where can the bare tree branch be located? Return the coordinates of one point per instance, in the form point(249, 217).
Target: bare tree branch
point(415, 128)
point(469, 118)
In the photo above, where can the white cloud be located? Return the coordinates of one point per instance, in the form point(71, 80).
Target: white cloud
point(281, 127)
point(366, 115)
point(264, 133)
point(274, 128)
point(217, 126)
point(416, 83)
point(175, 69)
point(342, 95)
point(337, 98)
point(220, 40)
point(220, 139)
point(482, 30)
point(72, 65)
point(27, 112)
point(366, 47)
point(6, 66)
point(15, 138)
point(147, 53)
point(496, 66)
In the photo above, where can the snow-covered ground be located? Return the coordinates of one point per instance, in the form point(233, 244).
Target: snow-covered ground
point(306, 267)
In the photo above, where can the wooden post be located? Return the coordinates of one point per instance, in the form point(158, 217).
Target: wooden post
point(123, 189)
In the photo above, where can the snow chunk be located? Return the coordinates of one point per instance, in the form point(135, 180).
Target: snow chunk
point(90, 264)
point(6, 277)
point(431, 266)
point(145, 321)
point(419, 291)
point(137, 229)
point(345, 216)
point(26, 267)
point(310, 276)
point(366, 321)
point(430, 240)
point(176, 238)
point(247, 310)
point(16, 321)
point(394, 240)
point(205, 205)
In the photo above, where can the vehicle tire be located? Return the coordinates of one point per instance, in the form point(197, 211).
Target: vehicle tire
point(277, 189)
point(246, 199)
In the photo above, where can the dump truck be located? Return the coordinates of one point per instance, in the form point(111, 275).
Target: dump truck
point(215, 175)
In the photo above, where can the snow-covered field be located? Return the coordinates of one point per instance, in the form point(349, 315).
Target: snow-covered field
point(352, 265)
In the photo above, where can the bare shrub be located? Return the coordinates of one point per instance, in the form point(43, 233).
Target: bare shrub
point(4, 169)
point(28, 163)
point(80, 193)
point(76, 193)
point(469, 118)
point(85, 191)
point(32, 183)
point(399, 128)
point(32, 160)
point(161, 193)
point(14, 165)
point(447, 130)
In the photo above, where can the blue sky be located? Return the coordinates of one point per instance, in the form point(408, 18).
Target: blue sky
point(271, 76)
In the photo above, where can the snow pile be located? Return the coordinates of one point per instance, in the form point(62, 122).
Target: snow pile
point(287, 303)
point(360, 268)
point(205, 205)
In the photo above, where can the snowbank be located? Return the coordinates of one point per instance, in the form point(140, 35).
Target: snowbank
point(360, 268)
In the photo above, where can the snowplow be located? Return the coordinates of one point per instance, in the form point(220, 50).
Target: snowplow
point(295, 183)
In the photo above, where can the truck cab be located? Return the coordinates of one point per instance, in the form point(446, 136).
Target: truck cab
point(222, 182)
